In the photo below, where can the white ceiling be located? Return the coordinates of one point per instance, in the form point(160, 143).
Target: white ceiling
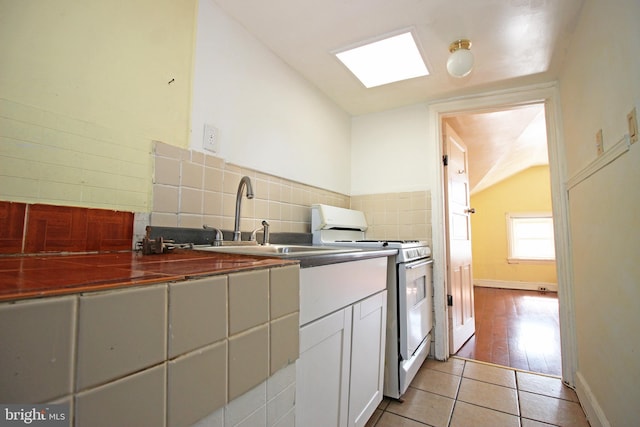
point(511, 39)
point(515, 42)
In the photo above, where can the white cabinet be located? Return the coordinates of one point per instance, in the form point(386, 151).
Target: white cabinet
point(341, 366)
point(322, 371)
point(367, 357)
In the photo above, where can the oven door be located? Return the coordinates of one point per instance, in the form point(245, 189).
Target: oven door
point(415, 296)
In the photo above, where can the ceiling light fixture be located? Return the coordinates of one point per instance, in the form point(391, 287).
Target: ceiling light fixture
point(460, 62)
point(385, 61)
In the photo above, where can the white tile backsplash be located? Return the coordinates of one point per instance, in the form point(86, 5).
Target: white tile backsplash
point(396, 215)
point(192, 188)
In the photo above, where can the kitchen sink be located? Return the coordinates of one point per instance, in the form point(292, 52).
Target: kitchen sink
point(277, 250)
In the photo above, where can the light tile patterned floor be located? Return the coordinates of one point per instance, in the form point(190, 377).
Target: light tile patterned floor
point(466, 393)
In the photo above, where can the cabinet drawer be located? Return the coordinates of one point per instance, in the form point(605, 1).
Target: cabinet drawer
point(328, 288)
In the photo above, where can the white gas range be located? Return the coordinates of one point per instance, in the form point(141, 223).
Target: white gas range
point(409, 291)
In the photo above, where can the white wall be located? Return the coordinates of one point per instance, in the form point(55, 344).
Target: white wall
point(84, 89)
point(599, 86)
point(390, 152)
point(269, 118)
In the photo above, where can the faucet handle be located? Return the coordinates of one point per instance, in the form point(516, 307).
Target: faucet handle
point(265, 234)
point(252, 238)
point(217, 239)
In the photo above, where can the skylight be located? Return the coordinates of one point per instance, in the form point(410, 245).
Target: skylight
point(385, 61)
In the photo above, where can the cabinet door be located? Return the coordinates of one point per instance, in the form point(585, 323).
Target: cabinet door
point(322, 371)
point(367, 357)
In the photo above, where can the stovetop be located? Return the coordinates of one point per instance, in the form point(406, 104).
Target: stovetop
point(398, 244)
point(408, 250)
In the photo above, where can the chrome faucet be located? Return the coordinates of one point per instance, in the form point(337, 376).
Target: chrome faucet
point(244, 182)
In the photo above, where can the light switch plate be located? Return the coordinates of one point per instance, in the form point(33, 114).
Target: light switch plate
point(632, 121)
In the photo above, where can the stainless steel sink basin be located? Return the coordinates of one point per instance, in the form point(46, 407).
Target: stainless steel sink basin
point(275, 250)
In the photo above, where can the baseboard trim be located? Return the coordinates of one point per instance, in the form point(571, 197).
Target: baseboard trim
point(592, 409)
point(506, 284)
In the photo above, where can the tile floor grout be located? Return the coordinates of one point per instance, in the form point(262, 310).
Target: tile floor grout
point(510, 368)
point(528, 393)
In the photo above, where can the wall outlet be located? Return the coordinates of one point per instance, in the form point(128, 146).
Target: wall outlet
point(599, 143)
point(211, 139)
point(632, 121)
point(542, 289)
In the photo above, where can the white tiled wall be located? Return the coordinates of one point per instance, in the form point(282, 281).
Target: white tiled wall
point(89, 363)
point(191, 188)
point(46, 157)
point(396, 215)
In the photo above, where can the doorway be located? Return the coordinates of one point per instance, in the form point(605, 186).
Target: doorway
point(543, 94)
point(507, 172)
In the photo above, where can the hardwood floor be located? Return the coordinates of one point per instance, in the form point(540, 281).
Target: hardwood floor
point(518, 329)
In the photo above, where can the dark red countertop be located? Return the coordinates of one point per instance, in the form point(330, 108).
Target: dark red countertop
point(34, 276)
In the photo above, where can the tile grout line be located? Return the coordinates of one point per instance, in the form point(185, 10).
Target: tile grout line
point(455, 399)
point(482, 362)
point(518, 416)
point(515, 374)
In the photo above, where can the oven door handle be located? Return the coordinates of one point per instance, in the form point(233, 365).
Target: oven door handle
point(418, 263)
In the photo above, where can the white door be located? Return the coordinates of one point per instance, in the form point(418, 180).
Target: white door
point(458, 225)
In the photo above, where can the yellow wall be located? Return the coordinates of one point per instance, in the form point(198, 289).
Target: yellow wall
point(84, 89)
point(528, 191)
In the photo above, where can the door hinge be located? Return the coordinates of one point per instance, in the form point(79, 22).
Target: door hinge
point(450, 300)
point(445, 160)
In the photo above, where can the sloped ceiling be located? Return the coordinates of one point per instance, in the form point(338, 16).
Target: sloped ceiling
point(502, 143)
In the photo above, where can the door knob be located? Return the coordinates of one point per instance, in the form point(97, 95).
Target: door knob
point(470, 210)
